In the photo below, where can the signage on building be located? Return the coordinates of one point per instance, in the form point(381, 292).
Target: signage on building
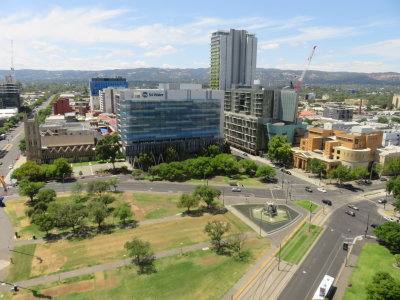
point(152, 94)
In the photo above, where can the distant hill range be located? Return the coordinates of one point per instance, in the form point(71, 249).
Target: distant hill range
point(150, 76)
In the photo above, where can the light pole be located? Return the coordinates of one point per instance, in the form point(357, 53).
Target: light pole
point(366, 228)
point(309, 224)
point(261, 220)
point(283, 176)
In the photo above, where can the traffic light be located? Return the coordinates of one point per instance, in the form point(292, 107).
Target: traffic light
point(345, 246)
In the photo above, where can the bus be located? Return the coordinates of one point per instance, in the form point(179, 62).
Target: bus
point(324, 288)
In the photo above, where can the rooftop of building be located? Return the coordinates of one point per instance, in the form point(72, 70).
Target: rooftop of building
point(72, 140)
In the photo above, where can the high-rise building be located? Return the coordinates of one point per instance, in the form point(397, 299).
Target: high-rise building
point(247, 111)
point(152, 120)
point(97, 84)
point(233, 58)
point(61, 106)
point(10, 93)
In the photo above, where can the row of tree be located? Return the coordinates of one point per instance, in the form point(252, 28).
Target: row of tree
point(90, 202)
point(31, 171)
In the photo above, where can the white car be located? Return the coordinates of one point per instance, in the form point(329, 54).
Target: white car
point(321, 189)
point(236, 190)
point(10, 167)
point(388, 218)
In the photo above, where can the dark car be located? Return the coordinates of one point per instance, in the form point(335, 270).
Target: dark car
point(350, 213)
point(382, 200)
point(308, 189)
point(374, 225)
point(383, 179)
point(327, 202)
point(286, 171)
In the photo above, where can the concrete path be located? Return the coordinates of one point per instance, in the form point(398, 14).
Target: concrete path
point(107, 266)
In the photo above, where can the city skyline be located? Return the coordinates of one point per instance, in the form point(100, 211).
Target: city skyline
point(359, 36)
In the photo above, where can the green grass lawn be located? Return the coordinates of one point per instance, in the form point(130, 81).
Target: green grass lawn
point(195, 275)
point(22, 261)
point(240, 179)
point(306, 204)
point(373, 258)
point(155, 206)
point(294, 249)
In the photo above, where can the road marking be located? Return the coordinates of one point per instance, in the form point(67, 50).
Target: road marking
point(16, 135)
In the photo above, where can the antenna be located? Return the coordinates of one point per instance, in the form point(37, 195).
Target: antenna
point(12, 61)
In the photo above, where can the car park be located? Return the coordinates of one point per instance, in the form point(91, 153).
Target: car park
point(382, 200)
point(350, 213)
point(387, 218)
point(353, 207)
point(236, 190)
point(327, 202)
point(308, 189)
point(321, 189)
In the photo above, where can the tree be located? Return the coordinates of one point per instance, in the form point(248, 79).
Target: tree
point(106, 199)
point(123, 211)
point(67, 214)
point(188, 201)
point(113, 181)
point(341, 173)
point(393, 186)
point(397, 259)
point(173, 171)
point(199, 167)
point(316, 167)
point(211, 151)
point(226, 148)
point(389, 234)
point(98, 212)
point(279, 150)
point(248, 166)
point(46, 195)
point(392, 166)
point(144, 160)
point(359, 172)
point(22, 144)
point(383, 287)
point(30, 189)
point(62, 168)
point(383, 120)
point(395, 119)
point(30, 171)
point(108, 148)
point(97, 186)
point(215, 230)
point(266, 172)
point(207, 194)
point(225, 164)
point(77, 192)
point(139, 250)
point(171, 154)
point(44, 221)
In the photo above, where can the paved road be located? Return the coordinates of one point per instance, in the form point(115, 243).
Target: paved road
point(327, 255)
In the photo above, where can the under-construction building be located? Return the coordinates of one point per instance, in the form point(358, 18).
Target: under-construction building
point(247, 111)
point(10, 93)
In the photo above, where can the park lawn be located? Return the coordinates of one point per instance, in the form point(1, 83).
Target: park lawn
point(373, 258)
point(152, 206)
point(194, 275)
point(298, 245)
point(240, 179)
point(306, 204)
point(63, 255)
point(22, 262)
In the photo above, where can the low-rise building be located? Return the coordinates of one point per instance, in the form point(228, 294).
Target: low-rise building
point(396, 101)
point(343, 114)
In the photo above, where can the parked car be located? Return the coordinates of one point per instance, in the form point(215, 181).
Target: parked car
point(321, 189)
point(353, 206)
point(327, 202)
point(236, 190)
point(374, 225)
point(286, 171)
point(308, 189)
point(10, 167)
point(1, 163)
point(390, 219)
point(350, 213)
point(382, 200)
point(383, 179)
point(245, 154)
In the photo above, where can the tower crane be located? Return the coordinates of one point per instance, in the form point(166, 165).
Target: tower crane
point(300, 81)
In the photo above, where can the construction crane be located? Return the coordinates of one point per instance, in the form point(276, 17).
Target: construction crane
point(300, 81)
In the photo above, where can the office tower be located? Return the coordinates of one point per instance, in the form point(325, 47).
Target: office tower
point(152, 120)
point(233, 59)
point(97, 84)
point(10, 93)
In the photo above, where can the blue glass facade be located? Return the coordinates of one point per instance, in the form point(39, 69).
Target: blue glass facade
point(161, 120)
point(97, 84)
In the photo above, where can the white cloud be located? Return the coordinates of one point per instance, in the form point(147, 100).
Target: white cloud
point(387, 48)
point(162, 51)
point(201, 64)
point(271, 46)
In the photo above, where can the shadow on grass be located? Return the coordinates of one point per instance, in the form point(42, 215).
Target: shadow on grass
point(201, 211)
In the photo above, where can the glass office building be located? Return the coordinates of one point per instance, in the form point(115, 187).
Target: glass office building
point(97, 84)
point(151, 120)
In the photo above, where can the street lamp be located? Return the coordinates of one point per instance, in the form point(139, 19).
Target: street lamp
point(261, 220)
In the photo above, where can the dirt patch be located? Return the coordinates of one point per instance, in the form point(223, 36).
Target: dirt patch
point(24, 222)
point(107, 284)
point(51, 262)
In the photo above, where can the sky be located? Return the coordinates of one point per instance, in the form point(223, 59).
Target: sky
point(352, 35)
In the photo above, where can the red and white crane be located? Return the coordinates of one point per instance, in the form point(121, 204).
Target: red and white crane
point(300, 81)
